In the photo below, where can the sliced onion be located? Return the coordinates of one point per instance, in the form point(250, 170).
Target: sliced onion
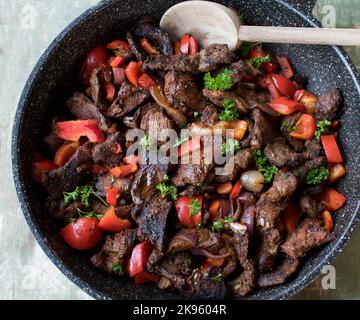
point(191, 238)
point(208, 254)
point(252, 181)
point(248, 219)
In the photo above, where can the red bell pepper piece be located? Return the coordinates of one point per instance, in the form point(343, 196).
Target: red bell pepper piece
point(332, 200)
point(119, 75)
point(268, 67)
point(286, 69)
point(64, 153)
point(109, 89)
point(235, 192)
point(124, 170)
point(214, 209)
point(183, 211)
point(39, 166)
point(133, 72)
point(193, 45)
point(118, 62)
point(189, 147)
point(285, 106)
point(285, 86)
point(331, 149)
point(74, 130)
point(111, 196)
point(305, 128)
point(145, 277)
point(139, 258)
point(298, 94)
point(110, 222)
point(188, 44)
point(96, 57)
point(146, 82)
point(118, 44)
point(275, 93)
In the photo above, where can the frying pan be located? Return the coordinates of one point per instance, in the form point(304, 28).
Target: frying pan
point(52, 79)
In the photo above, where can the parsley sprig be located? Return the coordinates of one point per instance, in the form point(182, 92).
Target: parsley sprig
point(262, 163)
point(84, 214)
point(217, 278)
point(316, 176)
point(229, 112)
point(145, 142)
point(221, 81)
point(82, 193)
point(167, 191)
point(257, 62)
point(118, 268)
point(194, 207)
point(231, 145)
point(180, 141)
point(321, 128)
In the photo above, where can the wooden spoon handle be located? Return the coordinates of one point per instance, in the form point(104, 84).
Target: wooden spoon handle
point(321, 36)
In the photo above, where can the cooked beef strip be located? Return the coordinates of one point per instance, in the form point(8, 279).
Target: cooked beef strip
point(136, 49)
point(99, 76)
point(109, 152)
point(313, 208)
point(281, 155)
point(157, 36)
point(182, 92)
point(129, 98)
point(154, 121)
point(209, 115)
point(328, 105)
point(84, 109)
point(59, 211)
point(287, 124)
point(263, 131)
point(308, 235)
point(287, 268)
point(52, 141)
point(315, 163)
point(313, 148)
point(178, 62)
point(238, 70)
point(242, 160)
point(214, 56)
point(71, 175)
point(115, 250)
point(217, 97)
point(268, 210)
point(104, 182)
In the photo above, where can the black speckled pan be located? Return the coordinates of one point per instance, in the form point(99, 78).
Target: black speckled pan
point(51, 79)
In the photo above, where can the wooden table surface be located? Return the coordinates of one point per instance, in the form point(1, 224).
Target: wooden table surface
point(26, 29)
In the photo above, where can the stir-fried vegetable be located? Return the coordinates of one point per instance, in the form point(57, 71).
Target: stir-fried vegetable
point(253, 181)
point(110, 222)
point(221, 81)
point(167, 191)
point(332, 200)
point(268, 170)
point(82, 193)
point(229, 112)
point(322, 127)
point(74, 130)
point(317, 176)
point(304, 128)
point(331, 149)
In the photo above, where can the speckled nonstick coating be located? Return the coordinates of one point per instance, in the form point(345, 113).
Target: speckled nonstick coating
point(56, 70)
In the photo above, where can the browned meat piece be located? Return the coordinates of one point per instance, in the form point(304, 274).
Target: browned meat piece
point(287, 268)
point(242, 160)
point(52, 140)
point(214, 56)
point(268, 210)
point(136, 49)
point(282, 155)
point(157, 36)
point(182, 92)
point(263, 131)
point(151, 218)
point(99, 76)
point(84, 109)
point(108, 153)
point(315, 163)
point(313, 148)
point(59, 211)
point(328, 105)
point(178, 62)
point(310, 206)
point(287, 125)
point(154, 121)
point(71, 175)
point(199, 286)
point(209, 115)
point(239, 70)
point(115, 250)
point(308, 235)
point(129, 98)
point(104, 182)
point(217, 97)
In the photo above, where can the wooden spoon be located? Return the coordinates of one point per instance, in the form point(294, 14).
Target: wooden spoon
point(211, 22)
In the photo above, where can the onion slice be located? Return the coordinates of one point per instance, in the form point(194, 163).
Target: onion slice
point(252, 181)
point(208, 254)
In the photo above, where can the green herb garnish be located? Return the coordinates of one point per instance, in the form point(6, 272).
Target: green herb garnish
point(231, 145)
point(188, 261)
point(321, 128)
point(165, 177)
point(118, 269)
point(222, 81)
point(145, 142)
point(246, 47)
point(317, 176)
point(199, 225)
point(217, 226)
point(286, 126)
point(196, 114)
point(229, 219)
point(217, 278)
point(167, 191)
point(180, 141)
point(257, 62)
point(230, 112)
point(202, 185)
point(82, 194)
point(268, 170)
point(85, 214)
point(194, 207)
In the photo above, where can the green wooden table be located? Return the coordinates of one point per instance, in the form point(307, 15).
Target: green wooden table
point(26, 29)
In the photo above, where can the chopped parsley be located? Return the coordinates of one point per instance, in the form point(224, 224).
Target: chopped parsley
point(82, 194)
point(194, 207)
point(246, 47)
point(145, 142)
point(202, 185)
point(286, 126)
point(257, 62)
point(199, 225)
point(84, 214)
point(165, 177)
point(188, 261)
point(217, 278)
point(268, 170)
point(217, 226)
point(321, 128)
point(231, 145)
point(222, 81)
point(229, 219)
point(196, 114)
point(180, 141)
point(167, 191)
point(118, 269)
point(229, 112)
point(317, 176)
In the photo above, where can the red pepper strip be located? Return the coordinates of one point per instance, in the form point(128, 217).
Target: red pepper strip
point(64, 153)
point(184, 43)
point(235, 192)
point(109, 89)
point(110, 222)
point(193, 45)
point(298, 94)
point(332, 200)
point(111, 196)
point(74, 130)
point(118, 62)
point(285, 106)
point(189, 147)
point(331, 149)
point(291, 217)
point(285, 86)
point(146, 82)
point(286, 69)
point(39, 166)
point(145, 277)
point(275, 93)
point(133, 72)
point(124, 170)
point(139, 258)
